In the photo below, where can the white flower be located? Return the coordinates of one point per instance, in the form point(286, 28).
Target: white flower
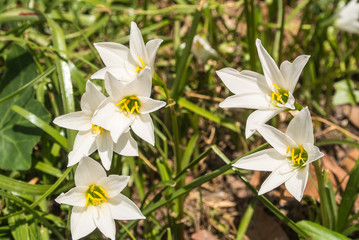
point(348, 17)
point(289, 158)
point(270, 94)
point(125, 63)
point(92, 137)
point(128, 105)
point(97, 201)
point(201, 49)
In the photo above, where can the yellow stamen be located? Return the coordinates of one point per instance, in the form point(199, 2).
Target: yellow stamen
point(301, 148)
point(286, 94)
point(87, 200)
point(275, 85)
point(103, 191)
point(287, 150)
point(138, 68)
point(122, 101)
point(101, 196)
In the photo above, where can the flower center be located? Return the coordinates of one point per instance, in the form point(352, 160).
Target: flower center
point(281, 96)
point(138, 68)
point(298, 156)
point(129, 105)
point(96, 129)
point(95, 195)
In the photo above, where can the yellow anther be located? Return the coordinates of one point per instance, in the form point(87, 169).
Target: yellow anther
point(138, 68)
point(136, 106)
point(87, 200)
point(287, 150)
point(96, 129)
point(301, 148)
point(122, 101)
point(103, 191)
point(134, 98)
point(292, 153)
point(286, 94)
point(92, 187)
point(100, 195)
point(275, 85)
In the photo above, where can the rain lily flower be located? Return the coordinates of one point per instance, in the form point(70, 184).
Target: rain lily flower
point(128, 105)
point(201, 49)
point(126, 63)
point(97, 201)
point(92, 137)
point(270, 94)
point(289, 158)
point(348, 17)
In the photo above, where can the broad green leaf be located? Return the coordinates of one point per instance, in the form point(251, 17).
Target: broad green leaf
point(342, 93)
point(318, 232)
point(17, 135)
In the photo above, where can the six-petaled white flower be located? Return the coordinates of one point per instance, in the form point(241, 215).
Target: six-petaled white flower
point(126, 63)
point(97, 201)
point(128, 105)
point(92, 137)
point(270, 94)
point(289, 158)
point(348, 17)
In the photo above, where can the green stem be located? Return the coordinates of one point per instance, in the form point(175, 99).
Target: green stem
point(321, 191)
point(250, 33)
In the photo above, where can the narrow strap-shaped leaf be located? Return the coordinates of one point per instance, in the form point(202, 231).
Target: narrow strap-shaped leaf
point(348, 198)
point(317, 232)
point(41, 124)
point(32, 211)
point(204, 113)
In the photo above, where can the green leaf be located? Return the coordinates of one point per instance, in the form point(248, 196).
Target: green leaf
point(318, 232)
point(17, 135)
point(343, 94)
point(348, 198)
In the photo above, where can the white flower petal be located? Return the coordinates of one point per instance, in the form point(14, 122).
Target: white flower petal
point(125, 74)
point(82, 222)
point(105, 148)
point(143, 127)
point(276, 138)
point(292, 71)
point(259, 117)
point(243, 82)
point(296, 184)
point(112, 54)
point(277, 177)
point(92, 98)
point(141, 86)
point(76, 121)
point(113, 184)
point(148, 105)
point(248, 100)
point(270, 68)
point(265, 160)
point(123, 208)
point(126, 145)
point(114, 87)
point(84, 145)
point(74, 197)
point(88, 172)
point(110, 118)
point(313, 152)
point(152, 47)
point(137, 45)
point(104, 221)
point(300, 129)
